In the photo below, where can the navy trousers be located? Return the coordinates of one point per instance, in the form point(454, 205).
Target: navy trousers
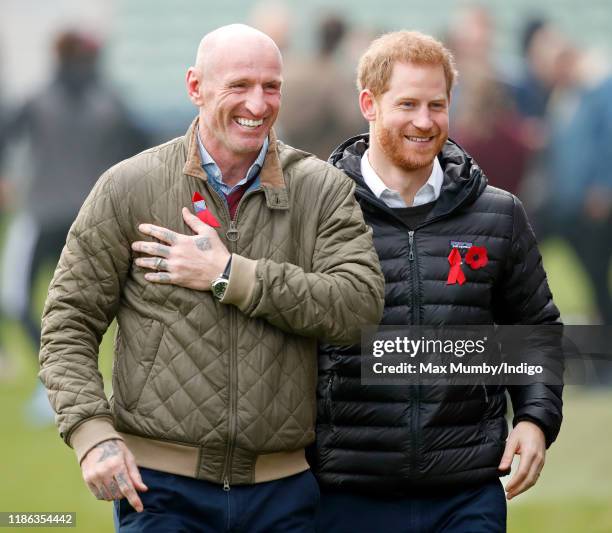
point(474, 510)
point(177, 504)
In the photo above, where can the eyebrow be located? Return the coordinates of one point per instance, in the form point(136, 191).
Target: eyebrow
point(405, 98)
point(238, 80)
point(247, 81)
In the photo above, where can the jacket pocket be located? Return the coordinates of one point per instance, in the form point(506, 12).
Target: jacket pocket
point(134, 363)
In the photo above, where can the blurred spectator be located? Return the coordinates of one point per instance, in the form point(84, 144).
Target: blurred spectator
point(532, 90)
point(75, 128)
point(7, 366)
point(579, 203)
point(471, 36)
point(274, 19)
point(531, 93)
point(490, 130)
point(319, 107)
point(484, 121)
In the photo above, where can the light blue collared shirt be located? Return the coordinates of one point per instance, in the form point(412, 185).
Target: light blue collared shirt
point(214, 172)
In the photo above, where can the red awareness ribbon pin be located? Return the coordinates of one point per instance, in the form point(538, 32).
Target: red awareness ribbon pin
point(455, 275)
point(201, 211)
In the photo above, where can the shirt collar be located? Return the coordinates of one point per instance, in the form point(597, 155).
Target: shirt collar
point(429, 192)
point(214, 172)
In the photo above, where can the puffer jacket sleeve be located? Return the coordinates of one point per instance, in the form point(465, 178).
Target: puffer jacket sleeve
point(82, 302)
point(523, 297)
point(343, 292)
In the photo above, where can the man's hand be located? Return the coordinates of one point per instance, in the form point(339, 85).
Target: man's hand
point(110, 471)
point(528, 441)
point(193, 262)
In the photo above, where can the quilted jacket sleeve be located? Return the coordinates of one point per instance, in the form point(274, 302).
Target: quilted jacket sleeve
point(343, 292)
point(82, 301)
point(525, 298)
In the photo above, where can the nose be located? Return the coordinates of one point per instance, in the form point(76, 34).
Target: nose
point(423, 119)
point(255, 103)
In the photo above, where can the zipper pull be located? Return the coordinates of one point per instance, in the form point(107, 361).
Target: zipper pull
point(226, 485)
point(411, 241)
point(232, 233)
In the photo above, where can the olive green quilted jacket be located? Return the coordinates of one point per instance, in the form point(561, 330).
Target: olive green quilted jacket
point(219, 388)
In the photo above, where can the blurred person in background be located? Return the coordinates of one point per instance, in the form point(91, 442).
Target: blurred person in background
point(273, 18)
point(317, 107)
point(75, 128)
point(489, 129)
point(484, 120)
point(578, 159)
point(532, 90)
point(7, 365)
point(429, 458)
point(530, 93)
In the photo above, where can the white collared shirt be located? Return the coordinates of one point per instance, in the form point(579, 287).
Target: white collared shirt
point(429, 192)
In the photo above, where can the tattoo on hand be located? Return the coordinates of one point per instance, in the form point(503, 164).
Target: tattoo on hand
point(162, 250)
point(121, 480)
point(170, 237)
point(162, 277)
point(203, 243)
point(109, 449)
point(114, 490)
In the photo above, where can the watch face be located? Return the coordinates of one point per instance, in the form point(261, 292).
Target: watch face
point(218, 288)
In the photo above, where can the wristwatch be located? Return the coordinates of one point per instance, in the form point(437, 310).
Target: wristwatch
point(219, 286)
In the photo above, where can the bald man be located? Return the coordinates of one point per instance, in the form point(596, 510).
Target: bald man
point(224, 255)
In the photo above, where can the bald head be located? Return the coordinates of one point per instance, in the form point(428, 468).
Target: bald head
point(230, 40)
point(236, 84)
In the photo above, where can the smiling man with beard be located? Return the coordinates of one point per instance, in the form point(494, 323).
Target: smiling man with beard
point(428, 458)
point(218, 311)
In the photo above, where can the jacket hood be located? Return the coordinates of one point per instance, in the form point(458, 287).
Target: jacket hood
point(463, 181)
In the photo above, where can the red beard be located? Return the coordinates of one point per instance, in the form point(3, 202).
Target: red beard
point(395, 148)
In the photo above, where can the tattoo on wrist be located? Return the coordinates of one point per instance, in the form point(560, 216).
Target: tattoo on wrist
point(109, 449)
point(203, 243)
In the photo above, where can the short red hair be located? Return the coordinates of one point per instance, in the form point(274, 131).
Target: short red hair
point(376, 64)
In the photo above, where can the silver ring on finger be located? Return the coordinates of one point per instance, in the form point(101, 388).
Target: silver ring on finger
point(158, 263)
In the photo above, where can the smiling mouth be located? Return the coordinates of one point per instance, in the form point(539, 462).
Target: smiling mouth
point(419, 139)
point(248, 123)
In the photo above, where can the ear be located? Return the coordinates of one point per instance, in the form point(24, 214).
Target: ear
point(367, 105)
point(192, 81)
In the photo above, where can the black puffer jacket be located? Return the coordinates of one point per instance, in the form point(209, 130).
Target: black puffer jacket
point(400, 439)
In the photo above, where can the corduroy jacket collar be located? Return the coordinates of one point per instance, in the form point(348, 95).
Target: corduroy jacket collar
point(270, 177)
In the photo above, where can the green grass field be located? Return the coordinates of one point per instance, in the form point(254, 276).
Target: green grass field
point(574, 495)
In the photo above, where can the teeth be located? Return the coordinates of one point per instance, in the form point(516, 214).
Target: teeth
point(249, 123)
point(419, 139)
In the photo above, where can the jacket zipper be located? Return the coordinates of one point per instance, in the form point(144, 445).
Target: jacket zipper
point(328, 398)
point(415, 305)
point(232, 236)
point(233, 391)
